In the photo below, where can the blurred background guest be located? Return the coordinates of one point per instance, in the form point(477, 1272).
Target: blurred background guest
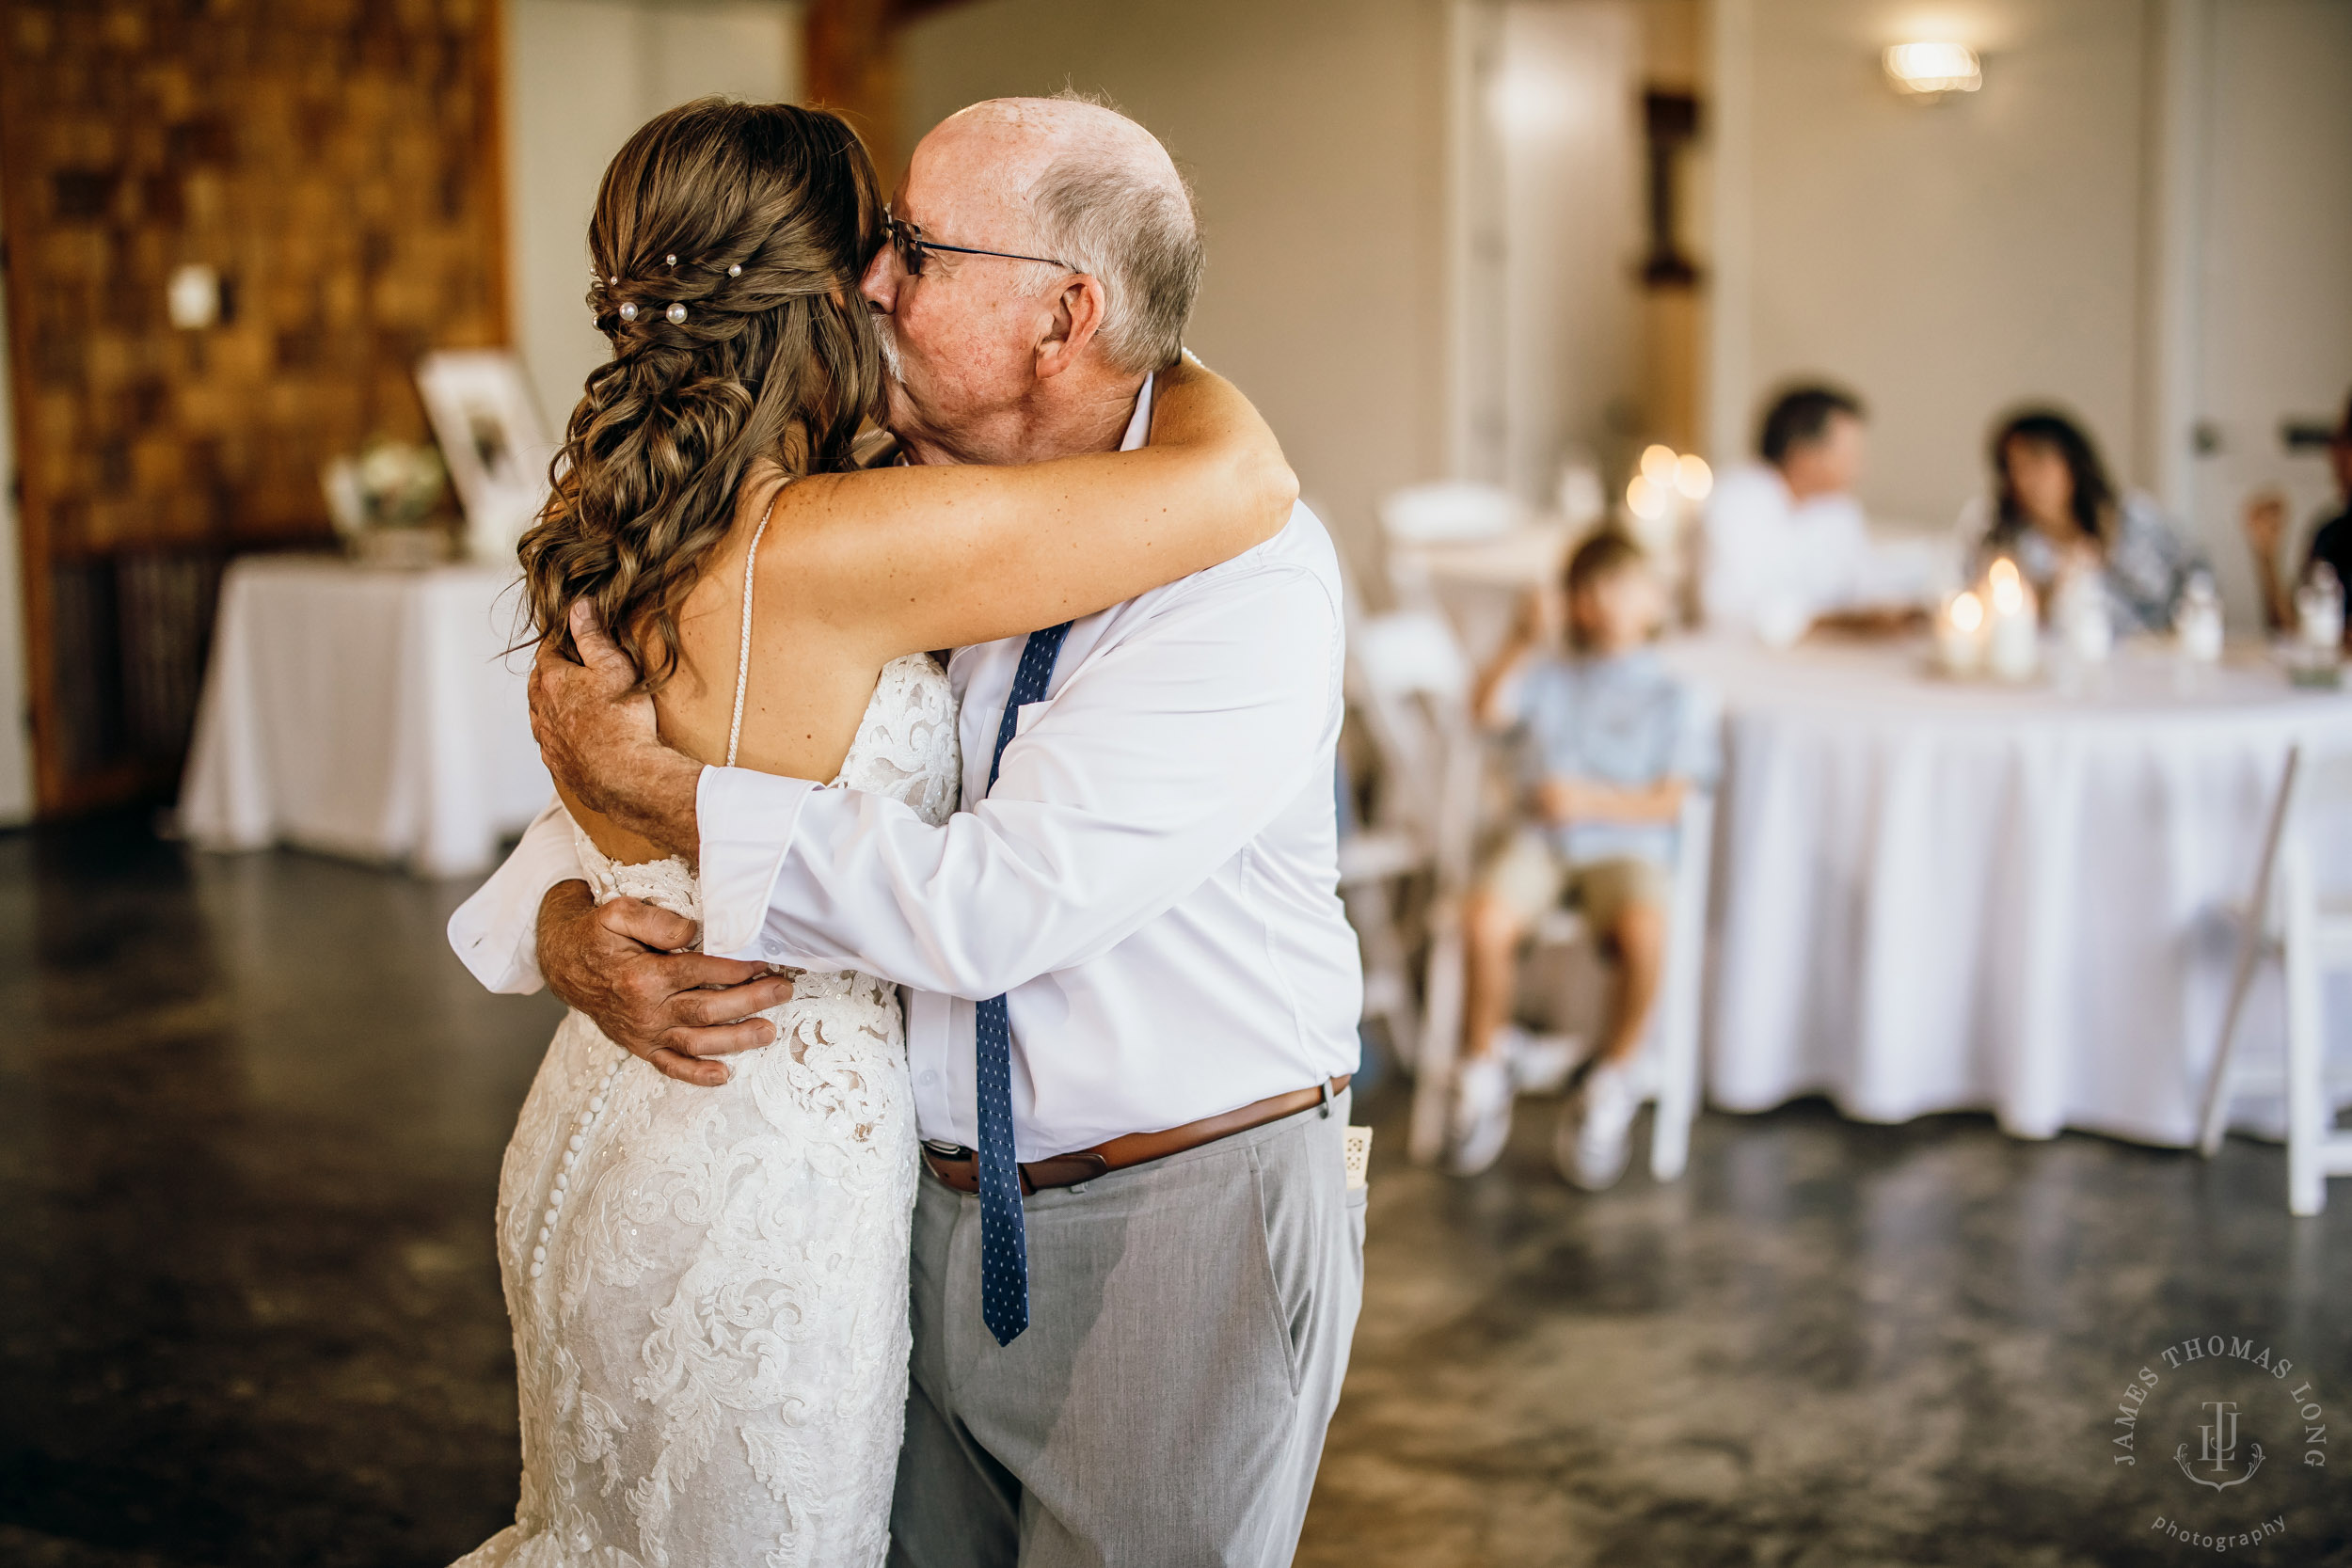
point(2331, 540)
point(1610, 742)
point(1786, 539)
point(2055, 509)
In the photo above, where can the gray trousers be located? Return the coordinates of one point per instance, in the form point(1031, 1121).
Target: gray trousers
point(1189, 1323)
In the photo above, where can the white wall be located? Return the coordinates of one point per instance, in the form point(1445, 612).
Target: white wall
point(1313, 132)
point(1946, 260)
point(16, 740)
point(1564, 104)
point(582, 75)
point(2274, 306)
point(2144, 216)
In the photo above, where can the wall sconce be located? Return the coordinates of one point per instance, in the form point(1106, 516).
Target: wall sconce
point(193, 297)
point(1531, 104)
point(1932, 71)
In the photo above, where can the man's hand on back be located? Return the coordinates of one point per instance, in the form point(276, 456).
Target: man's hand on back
point(596, 734)
point(615, 962)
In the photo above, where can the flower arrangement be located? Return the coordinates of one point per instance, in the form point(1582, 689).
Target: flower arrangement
point(385, 501)
point(390, 484)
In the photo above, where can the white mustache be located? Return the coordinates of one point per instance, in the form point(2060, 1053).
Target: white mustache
point(887, 334)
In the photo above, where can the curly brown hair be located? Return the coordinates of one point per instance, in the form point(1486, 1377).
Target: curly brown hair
point(757, 219)
point(2093, 502)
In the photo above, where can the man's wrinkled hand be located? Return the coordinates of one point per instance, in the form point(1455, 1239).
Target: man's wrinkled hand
point(597, 735)
point(619, 963)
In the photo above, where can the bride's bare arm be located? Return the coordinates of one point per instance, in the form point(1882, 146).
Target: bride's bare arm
point(936, 557)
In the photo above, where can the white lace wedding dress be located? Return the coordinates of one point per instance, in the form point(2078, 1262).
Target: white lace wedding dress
point(709, 1287)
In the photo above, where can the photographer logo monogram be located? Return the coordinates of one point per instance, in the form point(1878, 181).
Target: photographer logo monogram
point(2219, 1449)
point(2225, 1396)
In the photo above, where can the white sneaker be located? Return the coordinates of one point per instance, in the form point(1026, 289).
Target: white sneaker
point(1482, 1115)
point(1594, 1139)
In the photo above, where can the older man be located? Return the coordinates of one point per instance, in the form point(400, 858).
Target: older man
point(1786, 540)
point(1128, 967)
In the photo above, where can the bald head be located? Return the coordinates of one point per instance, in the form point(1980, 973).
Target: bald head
point(1092, 188)
point(1029, 134)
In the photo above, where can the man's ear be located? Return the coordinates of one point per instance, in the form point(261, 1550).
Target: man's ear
point(1077, 314)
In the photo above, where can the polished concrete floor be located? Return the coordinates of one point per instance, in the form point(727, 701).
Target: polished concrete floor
point(250, 1115)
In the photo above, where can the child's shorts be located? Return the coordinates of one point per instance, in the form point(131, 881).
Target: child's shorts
point(1528, 877)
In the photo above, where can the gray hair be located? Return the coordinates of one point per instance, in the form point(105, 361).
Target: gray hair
point(1137, 232)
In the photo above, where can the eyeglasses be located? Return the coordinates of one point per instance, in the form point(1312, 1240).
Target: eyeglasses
point(912, 248)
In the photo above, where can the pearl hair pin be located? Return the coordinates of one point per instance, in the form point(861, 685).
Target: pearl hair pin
point(736, 270)
point(670, 260)
point(629, 310)
point(677, 315)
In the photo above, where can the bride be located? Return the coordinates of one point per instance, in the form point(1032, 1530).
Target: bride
point(708, 1286)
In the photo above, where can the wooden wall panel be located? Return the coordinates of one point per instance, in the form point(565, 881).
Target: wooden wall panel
point(337, 162)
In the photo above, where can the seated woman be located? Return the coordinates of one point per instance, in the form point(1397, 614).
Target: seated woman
point(2055, 509)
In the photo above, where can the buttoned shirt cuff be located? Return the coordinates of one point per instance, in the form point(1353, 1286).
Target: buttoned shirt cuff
point(746, 821)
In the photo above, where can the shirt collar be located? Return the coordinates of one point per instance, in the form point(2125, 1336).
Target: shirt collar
point(1139, 426)
point(1632, 660)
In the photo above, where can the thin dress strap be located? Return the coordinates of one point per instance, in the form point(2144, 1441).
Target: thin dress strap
point(743, 656)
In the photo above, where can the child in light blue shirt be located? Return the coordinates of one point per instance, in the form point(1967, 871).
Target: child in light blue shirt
point(1609, 742)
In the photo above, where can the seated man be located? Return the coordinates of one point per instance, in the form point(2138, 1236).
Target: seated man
point(1612, 742)
point(1785, 541)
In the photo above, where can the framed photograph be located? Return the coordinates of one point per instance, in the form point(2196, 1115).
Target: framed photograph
point(494, 440)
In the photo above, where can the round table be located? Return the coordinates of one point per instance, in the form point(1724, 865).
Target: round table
point(367, 712)
point(1934, 895)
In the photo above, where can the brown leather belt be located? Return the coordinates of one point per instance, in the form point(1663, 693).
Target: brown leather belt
point(959, 1166)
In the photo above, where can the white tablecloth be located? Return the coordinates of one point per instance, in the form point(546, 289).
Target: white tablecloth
point(1934, 896)
point(367, 713)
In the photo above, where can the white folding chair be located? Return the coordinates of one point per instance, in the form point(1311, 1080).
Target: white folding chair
point(1408, 687)
point(1449, 512)
point(2288, 921)
point(1672, 1079)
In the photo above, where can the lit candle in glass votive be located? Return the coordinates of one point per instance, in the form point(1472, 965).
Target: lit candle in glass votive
point(2012, 645)
point(1960, 635)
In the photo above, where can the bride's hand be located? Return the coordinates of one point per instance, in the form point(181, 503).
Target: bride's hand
point(620, 964)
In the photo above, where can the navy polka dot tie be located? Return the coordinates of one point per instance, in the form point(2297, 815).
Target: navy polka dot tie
point(1004, 1245)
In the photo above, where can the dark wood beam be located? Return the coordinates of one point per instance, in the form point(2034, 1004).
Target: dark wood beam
point(851, 60)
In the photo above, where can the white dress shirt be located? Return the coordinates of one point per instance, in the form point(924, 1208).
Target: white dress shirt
point(1773, 559)
point(1152, 883)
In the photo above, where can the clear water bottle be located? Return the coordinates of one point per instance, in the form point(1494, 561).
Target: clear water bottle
point(2319, 608)
point(2318, 628)
point(2197, 621)
point(2081, 614)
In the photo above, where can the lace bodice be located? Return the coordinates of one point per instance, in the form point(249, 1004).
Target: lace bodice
point(709, 1287)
